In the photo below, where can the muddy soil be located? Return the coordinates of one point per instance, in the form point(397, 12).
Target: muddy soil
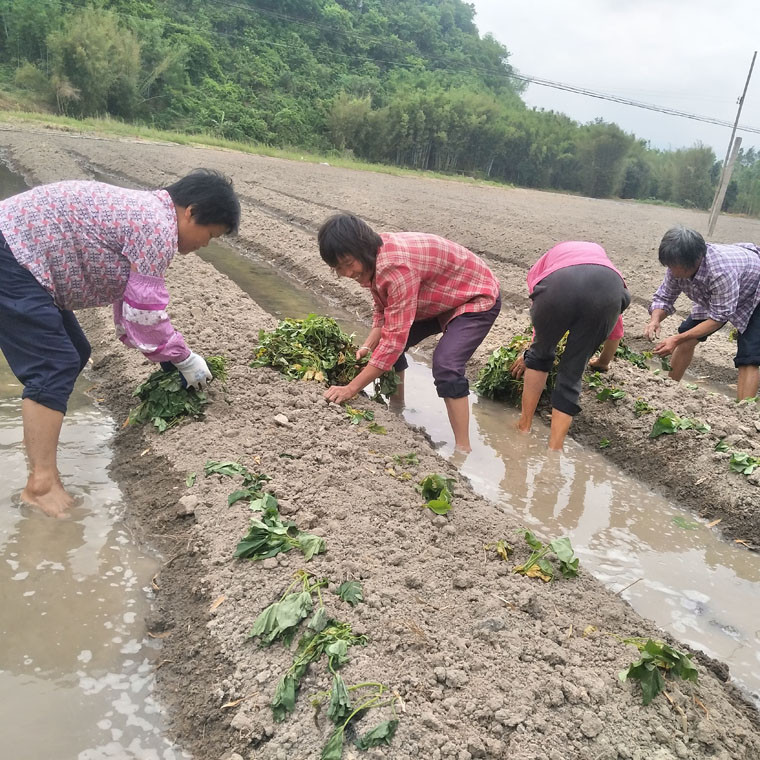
point(487, 663)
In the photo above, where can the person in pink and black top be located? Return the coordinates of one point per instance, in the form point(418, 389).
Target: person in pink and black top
point(76, 244)
point(574, 288)
point(421, 285)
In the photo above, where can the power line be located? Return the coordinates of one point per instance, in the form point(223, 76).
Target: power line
point(625, 101)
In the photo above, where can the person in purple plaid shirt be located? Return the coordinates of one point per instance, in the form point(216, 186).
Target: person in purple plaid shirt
point(723, 281)
point(422, 285)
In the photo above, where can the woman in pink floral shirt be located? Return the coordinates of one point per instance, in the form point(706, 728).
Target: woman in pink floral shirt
point(76, 244)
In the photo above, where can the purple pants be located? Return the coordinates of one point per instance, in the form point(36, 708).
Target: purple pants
point(462, 336)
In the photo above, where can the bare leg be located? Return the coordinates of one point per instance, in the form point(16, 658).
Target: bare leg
point(534, 383)
point(42, 428)
point(602, 361)
point(681, 358)
point(558, 431)
point(748, 381)
point(396, 400)
point(459, 416)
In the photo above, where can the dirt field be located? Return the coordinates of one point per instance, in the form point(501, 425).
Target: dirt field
point(488, 664)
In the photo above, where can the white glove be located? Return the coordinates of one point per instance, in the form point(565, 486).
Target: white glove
point(195, 371)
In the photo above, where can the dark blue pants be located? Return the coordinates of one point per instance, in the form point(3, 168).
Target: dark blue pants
point(44, 345)
point(462, 336)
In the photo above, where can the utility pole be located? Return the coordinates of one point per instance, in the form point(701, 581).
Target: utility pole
point(725, 176)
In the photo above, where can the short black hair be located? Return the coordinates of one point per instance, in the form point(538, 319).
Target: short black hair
point(345, 235)
point(210, 196)
point(682, 247)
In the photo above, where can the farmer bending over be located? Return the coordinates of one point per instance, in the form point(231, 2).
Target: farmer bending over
point(576, 289)
point(723, 281)
point(421, 285)
point(72, 245)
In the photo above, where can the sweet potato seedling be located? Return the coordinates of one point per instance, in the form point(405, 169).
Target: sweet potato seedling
point(351, 703)
point(253, 482)
point(436, 490)
point(604, 392)
point(355, 416)
point(657, 660)
point(669, 423)
point(538, 566)
point(744, 463)
point(350, 592)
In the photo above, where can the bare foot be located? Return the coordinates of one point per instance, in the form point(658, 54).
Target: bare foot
point(599, 367)
point(463, 448)
point(54, 501)
point(521, 427)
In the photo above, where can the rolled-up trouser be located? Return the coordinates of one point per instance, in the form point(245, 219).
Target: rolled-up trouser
point(44, 345)
point(462, 336)
point(584, 300)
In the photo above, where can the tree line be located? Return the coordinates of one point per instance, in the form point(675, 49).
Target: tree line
point(403, 82)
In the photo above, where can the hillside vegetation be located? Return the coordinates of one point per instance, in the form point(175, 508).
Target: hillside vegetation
point(403, 82)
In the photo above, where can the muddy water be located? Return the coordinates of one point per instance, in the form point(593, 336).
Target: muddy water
point(684, 577)
point(76, 668)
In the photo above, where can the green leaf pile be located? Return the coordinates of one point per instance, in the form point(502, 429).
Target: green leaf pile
point(538, 566)
point(436, 490)
point(314, 348)
point(495, 379)
point(669, 423)
point(164, 400)
point(657, 658)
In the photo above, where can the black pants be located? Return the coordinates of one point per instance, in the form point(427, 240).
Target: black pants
point(584, 300)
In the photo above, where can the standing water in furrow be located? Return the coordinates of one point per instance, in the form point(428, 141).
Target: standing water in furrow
point(74, 593)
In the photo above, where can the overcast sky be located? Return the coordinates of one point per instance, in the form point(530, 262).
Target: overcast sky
point(692, 55)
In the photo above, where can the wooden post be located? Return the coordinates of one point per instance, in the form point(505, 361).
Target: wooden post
point(730, 143)
point(725, 179)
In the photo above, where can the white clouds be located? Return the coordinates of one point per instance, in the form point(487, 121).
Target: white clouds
point(692, 55)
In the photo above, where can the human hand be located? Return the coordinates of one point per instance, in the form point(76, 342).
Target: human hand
point(652, 330)
point(195, 371)
point(517, 369)
point(362, 352)
point(666, 347)
point(340, 393)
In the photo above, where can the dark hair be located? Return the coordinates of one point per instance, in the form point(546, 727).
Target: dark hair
point(682, 247)
point(345, 235)
point(210, 196)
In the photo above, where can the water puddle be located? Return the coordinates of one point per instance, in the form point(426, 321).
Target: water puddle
point(76, 667)
point(666, 563)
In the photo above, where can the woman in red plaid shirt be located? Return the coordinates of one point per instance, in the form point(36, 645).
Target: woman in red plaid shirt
point(421, 285)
